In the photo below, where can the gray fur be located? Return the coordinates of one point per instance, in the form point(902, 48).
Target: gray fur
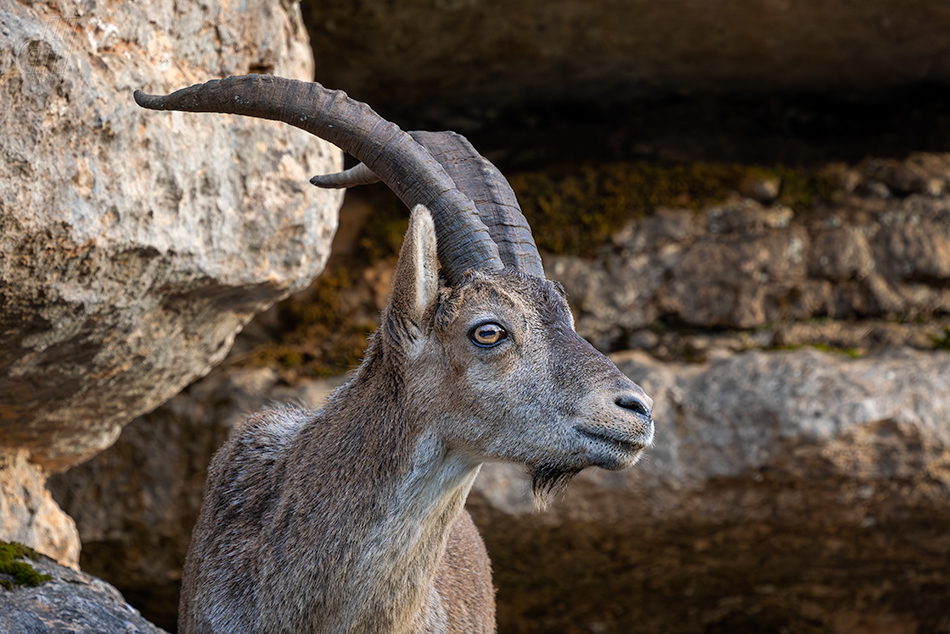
point(351, 519)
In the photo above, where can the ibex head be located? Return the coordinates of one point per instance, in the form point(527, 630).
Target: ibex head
point(483, 355)
point(499, 372)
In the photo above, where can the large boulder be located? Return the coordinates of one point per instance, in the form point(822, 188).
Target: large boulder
point(788, 491)
point(29, 515)
point(134, 245)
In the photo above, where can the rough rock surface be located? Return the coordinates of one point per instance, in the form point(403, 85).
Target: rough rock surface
point(455, 56)
point(790, 491)
point(879, 254)
point(71, 601)
point(760, 457)
point(28, 514)
point(134, 245)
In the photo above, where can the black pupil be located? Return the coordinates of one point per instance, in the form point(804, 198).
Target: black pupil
point(489, 334)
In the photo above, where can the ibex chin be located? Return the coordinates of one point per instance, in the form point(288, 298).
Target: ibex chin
point(351, 519)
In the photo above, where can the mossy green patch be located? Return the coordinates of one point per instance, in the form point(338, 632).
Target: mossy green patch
point(853, 353)
point(942, 342)
point(803, 189)
point(22, 572)
point(577, 212)
point(381, 236)
point(323, 335)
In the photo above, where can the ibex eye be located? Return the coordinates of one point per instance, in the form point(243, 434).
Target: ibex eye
point(487, 335)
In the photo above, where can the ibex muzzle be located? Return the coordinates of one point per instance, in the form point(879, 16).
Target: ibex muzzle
point(351, 519)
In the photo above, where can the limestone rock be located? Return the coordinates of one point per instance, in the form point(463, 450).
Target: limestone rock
point(134, 245)
point(841, 254)
point(743, 266)
point(764, 189)
point(920, 173)
point(28, 514)
point(919, 243)
point(71, 601)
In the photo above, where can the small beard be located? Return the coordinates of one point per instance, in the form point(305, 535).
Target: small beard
point(547, 481)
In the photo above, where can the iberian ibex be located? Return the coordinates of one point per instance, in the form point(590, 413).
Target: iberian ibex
point(351, 519)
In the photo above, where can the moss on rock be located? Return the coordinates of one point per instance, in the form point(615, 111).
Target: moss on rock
point(15, 573)
point(323, 334)
point(324, 331)
point(942, 342)
point(575, 213)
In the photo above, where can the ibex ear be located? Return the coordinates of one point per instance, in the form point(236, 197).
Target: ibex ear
point(416, 279)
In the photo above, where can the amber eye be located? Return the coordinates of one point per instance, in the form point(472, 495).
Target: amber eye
point(487, 335)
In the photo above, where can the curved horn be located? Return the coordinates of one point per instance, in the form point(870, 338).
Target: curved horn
point(487, 187)
point(478, 179)
point(406, 167)
point(357, 175)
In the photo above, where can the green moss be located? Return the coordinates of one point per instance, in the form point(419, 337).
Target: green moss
point(381, 236)
point(576, 212)
point(22, 572)
point(853, 353)
point(943, 342)
point(803, 189)
point(322, 335)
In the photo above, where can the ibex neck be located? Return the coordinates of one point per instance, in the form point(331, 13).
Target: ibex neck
point(396, 492)
point(404, 545)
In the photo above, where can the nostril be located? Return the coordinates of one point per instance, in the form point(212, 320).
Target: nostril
point(635, 404)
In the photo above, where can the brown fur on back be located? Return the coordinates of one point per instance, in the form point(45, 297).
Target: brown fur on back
point(464, 580)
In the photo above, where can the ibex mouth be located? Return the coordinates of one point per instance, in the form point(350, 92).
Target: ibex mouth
point(619, 444)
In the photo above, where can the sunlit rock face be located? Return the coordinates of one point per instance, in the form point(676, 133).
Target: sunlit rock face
point(134, 245)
